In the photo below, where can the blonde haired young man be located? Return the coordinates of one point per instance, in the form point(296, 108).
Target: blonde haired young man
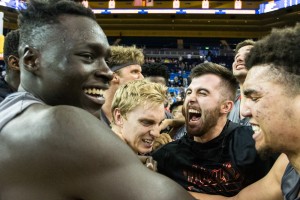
point(126, 64)
point(138, 110)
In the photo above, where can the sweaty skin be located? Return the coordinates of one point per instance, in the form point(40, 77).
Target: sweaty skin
point(60, 151)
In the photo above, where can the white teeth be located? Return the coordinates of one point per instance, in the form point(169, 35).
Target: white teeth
point(147, 141)
point(94, 91)
point(255, 128)
point(194, 111)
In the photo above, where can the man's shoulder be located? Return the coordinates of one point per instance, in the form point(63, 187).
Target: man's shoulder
point(67, 117)
point(47, 120)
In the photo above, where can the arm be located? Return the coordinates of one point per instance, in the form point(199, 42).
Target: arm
point(268, 188)
point(70, 152)
point(161, 140)
point(172, 123)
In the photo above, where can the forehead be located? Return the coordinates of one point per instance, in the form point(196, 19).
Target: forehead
point(258, 78)
point(246, 48)
point(256, 73)
point(131, 67)
point(78, 30)
point(208, 81)
point(150, 111)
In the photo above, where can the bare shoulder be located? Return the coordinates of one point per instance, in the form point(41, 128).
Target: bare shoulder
point(62, 140)
point(65, 150)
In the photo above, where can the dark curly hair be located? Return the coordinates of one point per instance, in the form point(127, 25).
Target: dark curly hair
point(280, 51)
point(41, 13)
point(11, 44)
point(228, 80)
point(155, 69)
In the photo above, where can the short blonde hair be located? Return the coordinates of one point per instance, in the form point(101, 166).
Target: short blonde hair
point(122, 56)
point(136, 93)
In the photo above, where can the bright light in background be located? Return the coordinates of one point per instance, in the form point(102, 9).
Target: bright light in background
point(176, 4)
point(238, 4)
point(111, 4)
point(205, 4)
point(85, 3)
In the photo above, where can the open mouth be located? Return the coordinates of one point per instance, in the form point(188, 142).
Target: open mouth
point(148, 142)
point(95, 94)
point(194, 115)
point(257, 131)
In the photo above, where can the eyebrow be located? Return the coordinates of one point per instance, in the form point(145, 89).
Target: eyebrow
point(248, 92)
point(98, 48)
point(198, 89)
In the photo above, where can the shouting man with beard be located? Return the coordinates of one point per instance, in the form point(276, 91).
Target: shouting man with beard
point(217, 156)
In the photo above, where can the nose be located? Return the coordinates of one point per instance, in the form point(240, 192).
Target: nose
point(191, 97)
point(239, 59)
point(155, 131)
point(141, 76)
point(104, 72)
point(245, 109)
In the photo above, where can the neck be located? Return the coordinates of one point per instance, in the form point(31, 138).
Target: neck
point(294, 149)
point(242, 100)
point(109, 95)
point(116, 130)
point(13, 80)
point(295, 161)
point(213, 132)
point(241, 79)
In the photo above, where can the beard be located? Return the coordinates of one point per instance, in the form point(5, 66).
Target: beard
point(209, 119)
point(265, 152)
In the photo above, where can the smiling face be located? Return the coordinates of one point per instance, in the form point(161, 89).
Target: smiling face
point(238, 67)
point(272, 111)
point(141, 126)
point(72, 68)
point(202, 104)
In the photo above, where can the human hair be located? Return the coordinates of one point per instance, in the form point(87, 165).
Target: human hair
point(122, 56)
point(155, 69)
point(11, 45)
point(136, 93)
point(228, 81)
point(244, 43)
point(175, 105)
point(39, 14)
point(280, 51)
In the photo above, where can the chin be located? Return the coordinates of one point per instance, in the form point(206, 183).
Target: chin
point(265, 152)
point(195, 132)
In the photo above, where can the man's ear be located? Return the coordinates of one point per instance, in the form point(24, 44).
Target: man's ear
point(31, 59)
point(13, 63)
point(226, 106)
point(118, 118)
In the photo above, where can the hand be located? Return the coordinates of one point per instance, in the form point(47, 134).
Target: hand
point(165, 123)
point(149, 162)
point(163, 139)
point(172, 123)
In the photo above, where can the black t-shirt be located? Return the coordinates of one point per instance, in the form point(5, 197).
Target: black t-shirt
point(221, 166)
point(290, 184)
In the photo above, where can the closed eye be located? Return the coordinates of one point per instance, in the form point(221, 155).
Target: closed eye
point(254, 99)
point(146, 122)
